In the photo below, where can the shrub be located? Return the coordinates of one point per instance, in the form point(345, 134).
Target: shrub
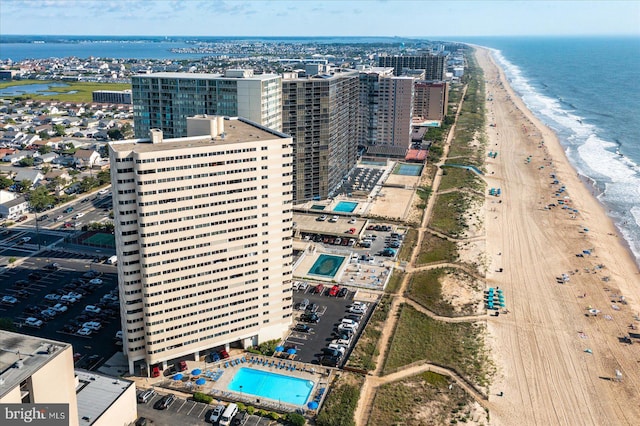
point(251, 410)
point(261, 413)
point(295, 419)
point(241, 406)
point(202, 397)
point(273, 415)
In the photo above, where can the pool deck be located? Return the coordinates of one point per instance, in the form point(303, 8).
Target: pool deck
point(218, 388)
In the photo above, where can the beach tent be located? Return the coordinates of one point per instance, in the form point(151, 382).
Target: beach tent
point(312, 405)
point(279, 348)
point(200, 382)
point(291, 351)
point(196, 372)
point(178, 377)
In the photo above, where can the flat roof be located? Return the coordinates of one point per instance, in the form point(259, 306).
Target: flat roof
point(96, 393)
point(236, 130)
point(202, 76)
point(21, 356)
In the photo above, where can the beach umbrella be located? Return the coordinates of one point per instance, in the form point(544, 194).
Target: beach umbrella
point(200, 382)
point(291, 351)
point(312, 405)
point(279, 348)
point(178, 377)
point(196, 372)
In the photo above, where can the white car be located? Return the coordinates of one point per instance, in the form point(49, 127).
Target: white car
point(352, 220)
point(68, 299)
point(25, 239)
point(33, 322)
point(96, 281)
point(92, 325)
point(347, 327)
point(103, 191)
point(109, 298)
point(59, 307)
point(9, 299)
point(357, 310)
point(302, 286)
point(93, 309)
point(75, 295)
point(353, 323)
point(59, 217)
point(361, 304)
point(334, 219)
point(84, 331)
point(341, 342)
point(49, 313)
point(339, 348)
point(52, 297)
point(78, 215)
point(119, 335)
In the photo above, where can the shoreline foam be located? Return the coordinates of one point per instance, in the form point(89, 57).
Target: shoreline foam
point(545, 373)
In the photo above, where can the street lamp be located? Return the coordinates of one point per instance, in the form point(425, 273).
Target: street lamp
point(240, 392)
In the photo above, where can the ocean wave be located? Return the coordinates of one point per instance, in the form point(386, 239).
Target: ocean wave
point(589, 152)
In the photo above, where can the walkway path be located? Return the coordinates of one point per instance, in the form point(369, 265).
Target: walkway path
point(371, 383)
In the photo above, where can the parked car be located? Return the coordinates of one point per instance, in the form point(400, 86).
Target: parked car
point(59, 307)
point(349, 327)
point(331, 352)
point(318, 289)
point(68, 210)
point(146, 395)
point(312, 308)
point(93, 325)
point(93, 309)
point(52, 266)
point(329, 361)
point(155, 371)
point(33, 322)
point(303, 328)
point(322, 218)
point(333, 292)
point(95, 281)
point(223, 354)
point(303, 286)
point(52, 296)
point(84, 331)
point(9, 300)
point(182, 366)
point(342, 342)
point(343, 292)
point(334, 219)
point(341, 349)
point(314, 318)
point(21, 284)
point(216, 413)
point(164, 402)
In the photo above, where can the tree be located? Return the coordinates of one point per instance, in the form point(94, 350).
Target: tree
point(26, 162)
point(45, 169)
point(44, 135)
point(44, 149)
point(87, 183)
point(59, 129)
point(5, 182)
point(7, 324)
point(24, 185)
point(104, 176)
point(56, 184)
point(115, 134)
point(40, 199)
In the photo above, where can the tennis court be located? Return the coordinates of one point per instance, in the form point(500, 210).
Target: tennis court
point(101, 240)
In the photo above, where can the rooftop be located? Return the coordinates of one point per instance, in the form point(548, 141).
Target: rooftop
point(203, 76)
point(235, 130)
point(96, 393)
point(21, 356)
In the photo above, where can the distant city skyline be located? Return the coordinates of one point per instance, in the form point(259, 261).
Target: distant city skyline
point(311, 18)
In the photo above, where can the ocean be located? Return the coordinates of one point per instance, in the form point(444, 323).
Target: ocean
point(586, 90)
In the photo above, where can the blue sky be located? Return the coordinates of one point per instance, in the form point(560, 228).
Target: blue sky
point(319, 18)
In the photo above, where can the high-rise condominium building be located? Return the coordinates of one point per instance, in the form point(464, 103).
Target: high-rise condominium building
point(165, 100)
point(386, 108)
point(431, 99)
point(203, 237)
point(434, 65)
point(321, 113)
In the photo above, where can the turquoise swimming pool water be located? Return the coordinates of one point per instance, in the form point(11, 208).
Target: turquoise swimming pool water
point(408, 169)
point(345, 206)
point(277, 387)
point(326, 265)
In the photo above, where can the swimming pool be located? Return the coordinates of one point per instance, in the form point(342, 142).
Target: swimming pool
point(408, 169)
point(327, 265)
point(345, 206)
point(317, 207)
point(277, 387)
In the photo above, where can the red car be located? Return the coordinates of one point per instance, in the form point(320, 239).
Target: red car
point(155, 372)
point(319, 288)
point(223, 354)
point(334, 291)
point(182, 365)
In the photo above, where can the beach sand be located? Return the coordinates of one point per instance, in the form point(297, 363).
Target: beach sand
point(544, 373)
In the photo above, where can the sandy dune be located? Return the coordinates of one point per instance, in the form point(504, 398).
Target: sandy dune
point(539, 347)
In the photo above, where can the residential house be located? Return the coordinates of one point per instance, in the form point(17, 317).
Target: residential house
point(34, 176)
point(86, 158)
point(15, 208)
point(46, 158)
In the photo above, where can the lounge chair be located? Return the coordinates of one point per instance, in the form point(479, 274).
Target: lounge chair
point(226, 365)
point(293, 368)
point(243, 359)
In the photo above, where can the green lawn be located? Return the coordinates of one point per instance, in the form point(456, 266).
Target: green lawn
point(448, 213)
point(83, 90)
point(436, 249)
point(405, 402)
point(453, 177)
point(456, 345)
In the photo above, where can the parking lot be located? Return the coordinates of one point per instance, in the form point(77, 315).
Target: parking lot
point(330, 311)
point(37, 286)
point(186, 413)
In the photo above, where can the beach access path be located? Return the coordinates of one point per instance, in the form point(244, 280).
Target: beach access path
point(541, 348)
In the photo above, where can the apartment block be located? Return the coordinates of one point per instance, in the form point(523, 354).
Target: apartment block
point(431, 99)
point(434, 65)
point(204, 239)
point(112, 96)
point(386, 108)
point(165, 100)
point(320, 112)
